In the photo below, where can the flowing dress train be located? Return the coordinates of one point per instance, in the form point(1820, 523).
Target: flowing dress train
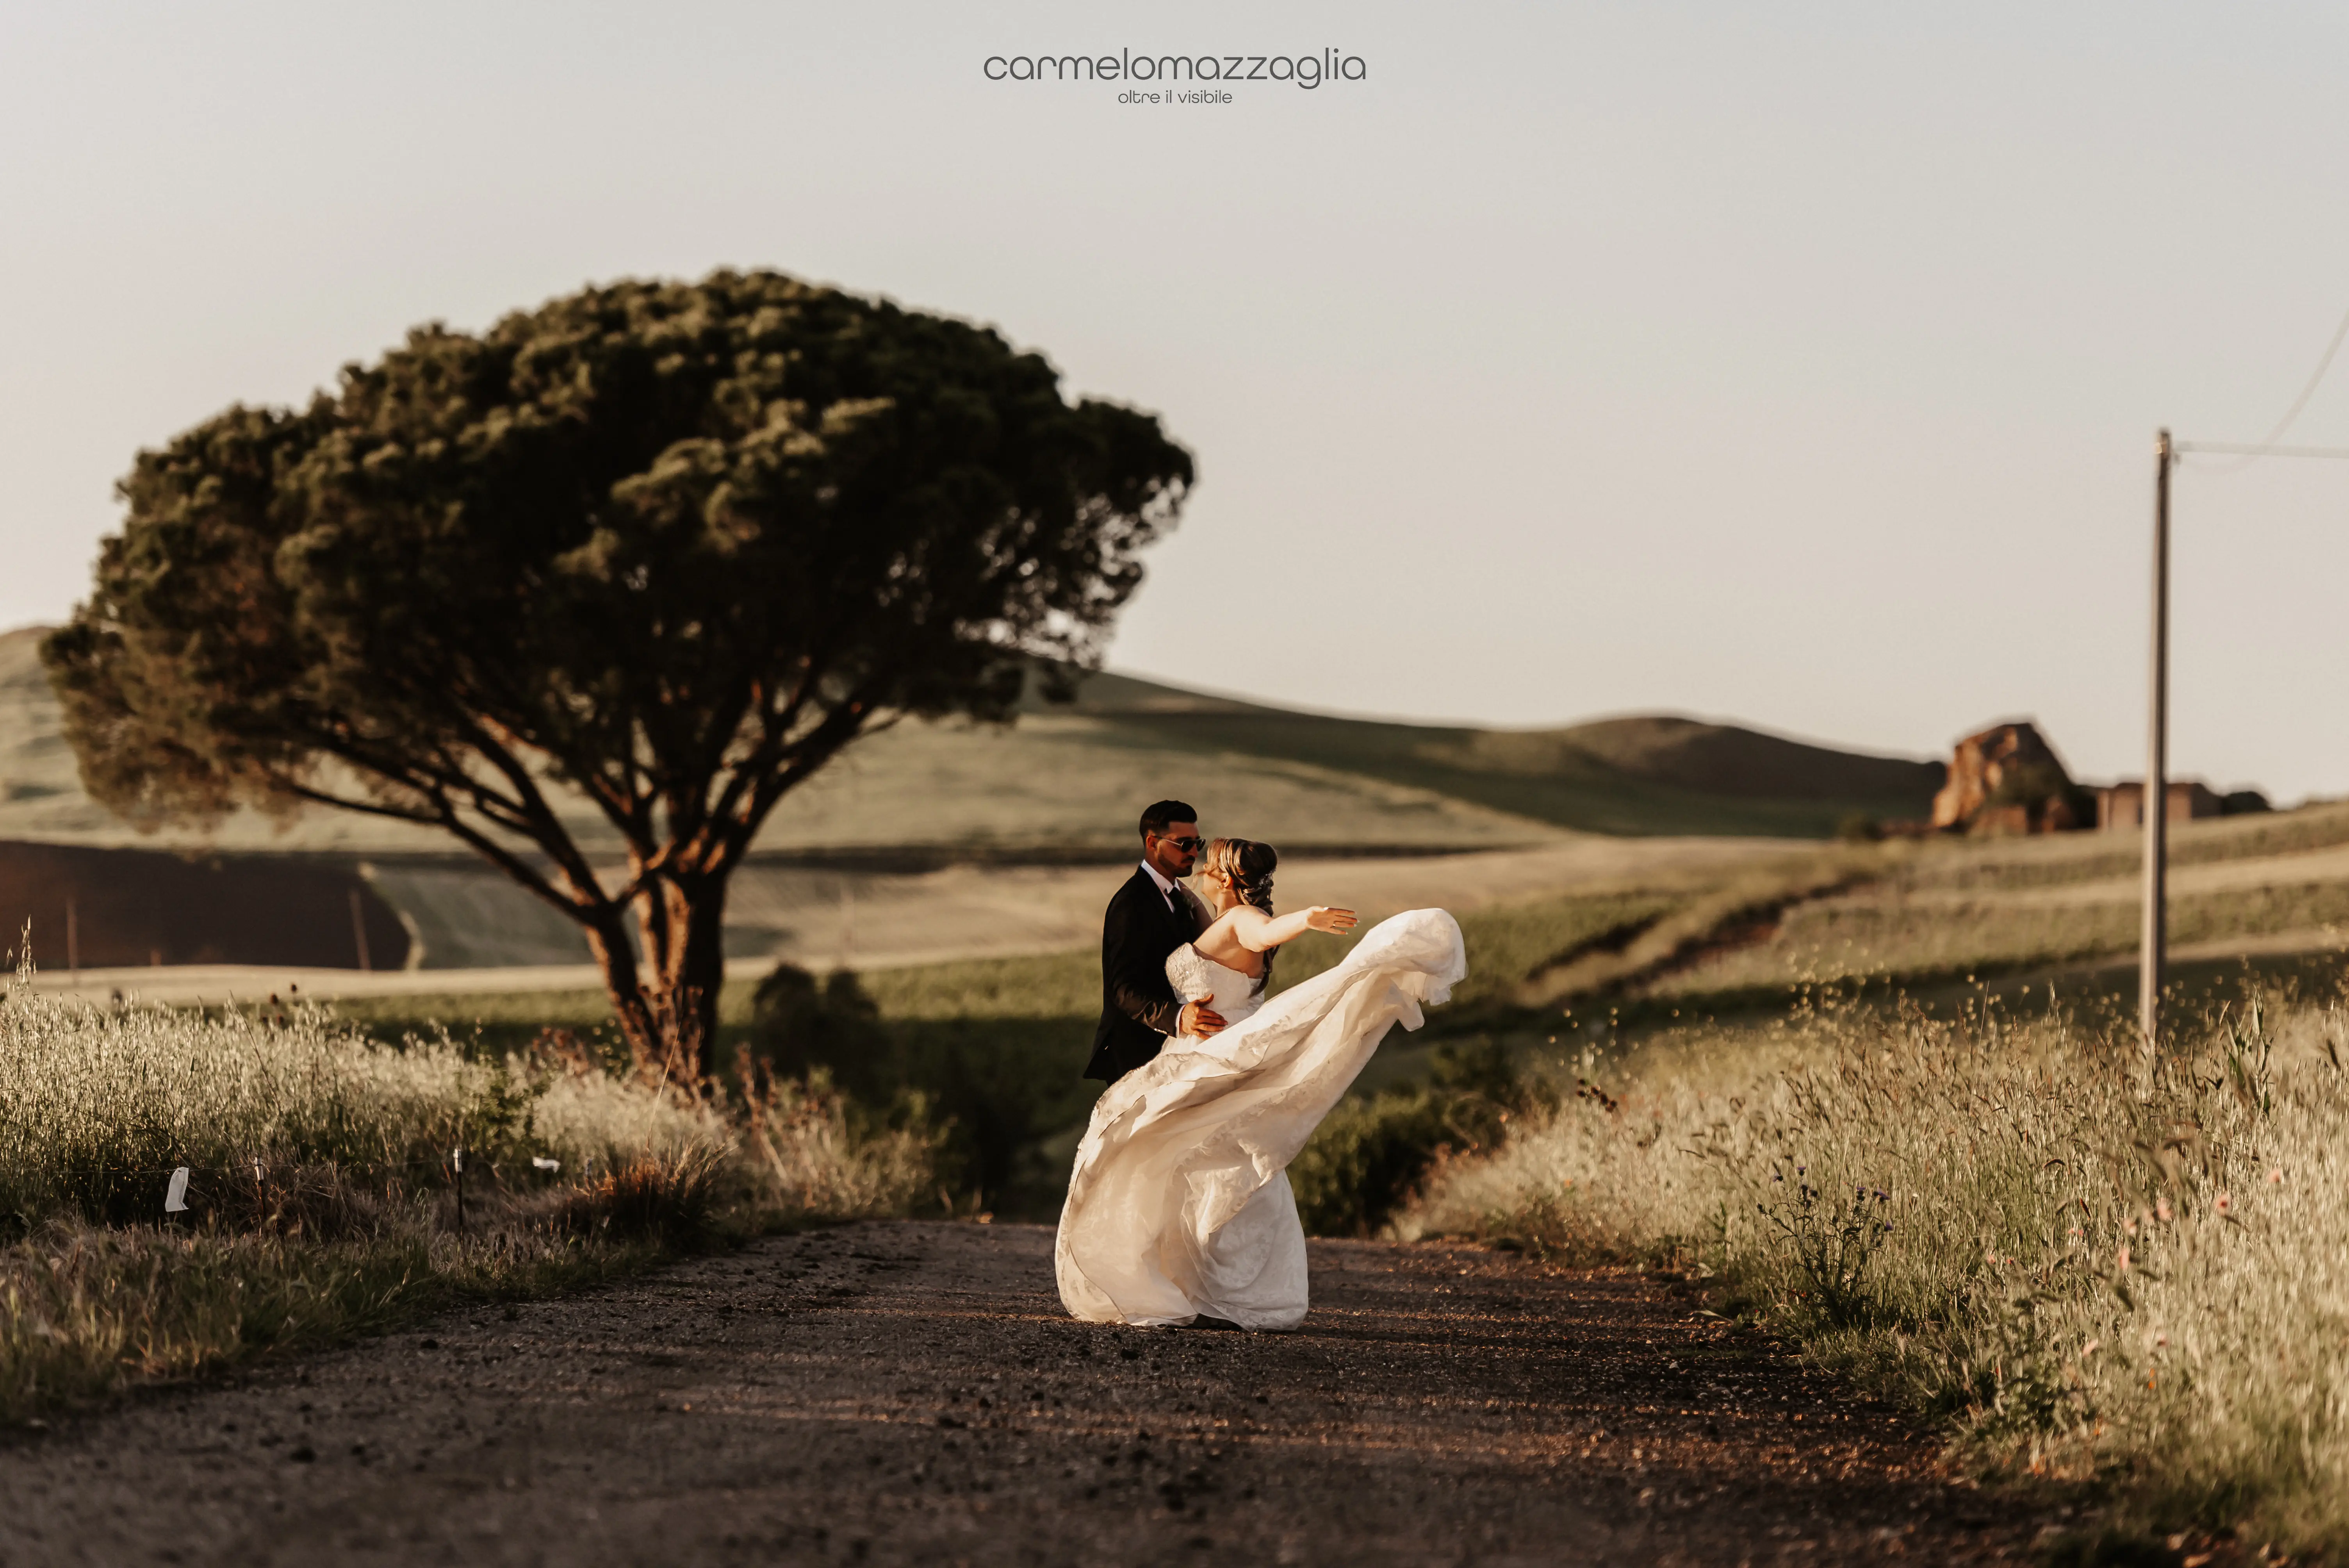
point(1179, 1204)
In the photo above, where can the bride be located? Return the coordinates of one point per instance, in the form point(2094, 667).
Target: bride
point(1179, 1207)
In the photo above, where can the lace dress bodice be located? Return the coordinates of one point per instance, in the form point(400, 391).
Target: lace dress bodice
point(1196, 977)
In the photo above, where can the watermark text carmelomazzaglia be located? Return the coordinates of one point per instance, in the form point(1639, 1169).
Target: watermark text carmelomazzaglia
point(1179, 78)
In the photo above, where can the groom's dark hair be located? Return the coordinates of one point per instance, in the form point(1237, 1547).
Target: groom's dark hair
point(1159, 814)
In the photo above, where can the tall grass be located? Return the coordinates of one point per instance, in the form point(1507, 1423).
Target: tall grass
point(2091, 1263)
point(323, 1195)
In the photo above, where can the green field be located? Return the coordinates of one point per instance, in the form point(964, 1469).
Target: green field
point(998, 1042)
point(1948, 910)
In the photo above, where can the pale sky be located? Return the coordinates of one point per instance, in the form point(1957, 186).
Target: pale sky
point(1795, 364)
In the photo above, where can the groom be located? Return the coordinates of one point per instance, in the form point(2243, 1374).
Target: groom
point(1151, 915)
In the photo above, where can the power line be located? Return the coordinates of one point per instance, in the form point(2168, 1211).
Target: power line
point(2250, 449)
point(2268, 448)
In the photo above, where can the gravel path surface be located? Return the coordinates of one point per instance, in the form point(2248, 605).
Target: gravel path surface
point(913, 1393)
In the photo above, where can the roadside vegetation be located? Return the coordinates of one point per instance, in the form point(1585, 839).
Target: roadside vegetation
point(326, 1192)
point(2092, 1263)
point(984, 1053)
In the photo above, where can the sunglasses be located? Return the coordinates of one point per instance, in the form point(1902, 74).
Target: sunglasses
point(1188, 846)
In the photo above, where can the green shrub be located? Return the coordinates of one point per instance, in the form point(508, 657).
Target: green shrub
point(1372, 1152)
point(984, 1092)
point(800, 1024)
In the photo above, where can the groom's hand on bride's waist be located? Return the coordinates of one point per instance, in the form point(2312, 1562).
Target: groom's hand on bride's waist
point(1197, 1019)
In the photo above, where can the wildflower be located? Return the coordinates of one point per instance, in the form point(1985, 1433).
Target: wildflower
point(2161, 1342)
point(2224, 1204)
point(2130, 1226)
point(2275, 1178)
point(2161, 1211)
point(2123, 1257)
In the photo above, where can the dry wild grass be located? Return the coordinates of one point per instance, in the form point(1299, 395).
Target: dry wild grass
point(323, 1198)
point(2093, 1264)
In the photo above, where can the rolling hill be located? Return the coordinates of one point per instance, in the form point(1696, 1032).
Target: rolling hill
point(1655, 774)
point(1066, 779)
point(913, 805)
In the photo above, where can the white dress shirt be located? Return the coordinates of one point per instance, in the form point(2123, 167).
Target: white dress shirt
point(1165, 887)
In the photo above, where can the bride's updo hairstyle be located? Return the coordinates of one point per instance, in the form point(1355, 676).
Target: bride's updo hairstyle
point(1249, 864)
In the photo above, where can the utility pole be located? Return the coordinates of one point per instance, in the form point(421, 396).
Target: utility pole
point(2152, 940)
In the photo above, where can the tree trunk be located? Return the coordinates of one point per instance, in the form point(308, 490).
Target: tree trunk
point(616, 954)
point(696, 971)
point(666, 1003)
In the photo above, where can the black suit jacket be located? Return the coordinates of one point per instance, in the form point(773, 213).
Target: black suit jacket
point(1138, 1006)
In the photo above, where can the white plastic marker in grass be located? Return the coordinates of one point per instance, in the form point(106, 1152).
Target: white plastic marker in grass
point(175, 1196)
point(541, 1162)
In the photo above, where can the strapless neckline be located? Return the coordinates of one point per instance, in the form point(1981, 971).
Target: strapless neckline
point(1220, 964)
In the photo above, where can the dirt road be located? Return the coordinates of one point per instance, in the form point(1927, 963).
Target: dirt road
point(913, 1393)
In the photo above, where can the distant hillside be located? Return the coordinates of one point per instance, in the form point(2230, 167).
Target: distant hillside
point(1645, 775)
point(1068, 778)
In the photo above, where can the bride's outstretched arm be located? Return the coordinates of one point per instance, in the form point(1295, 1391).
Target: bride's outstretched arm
point(1261, 933)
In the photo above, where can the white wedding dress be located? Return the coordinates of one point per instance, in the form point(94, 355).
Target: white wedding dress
point(1179, 1206)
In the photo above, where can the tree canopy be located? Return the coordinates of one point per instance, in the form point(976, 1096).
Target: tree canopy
point(670, 546)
